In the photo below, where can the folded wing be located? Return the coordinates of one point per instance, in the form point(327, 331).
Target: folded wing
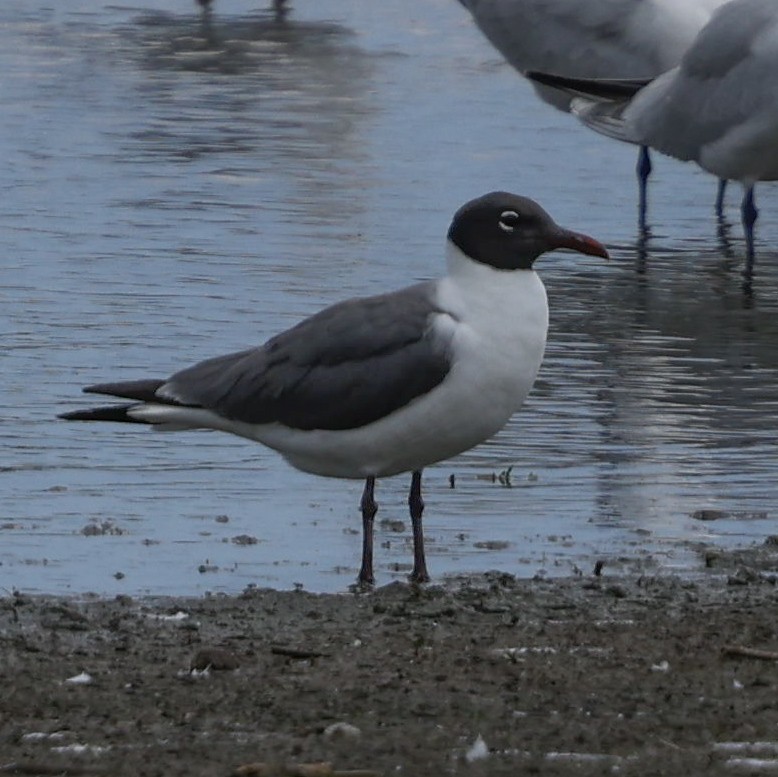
point(343, 368)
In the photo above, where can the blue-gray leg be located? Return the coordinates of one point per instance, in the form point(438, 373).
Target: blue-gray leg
point(643, 171)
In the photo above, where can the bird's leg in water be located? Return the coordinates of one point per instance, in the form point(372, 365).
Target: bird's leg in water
point(643, 171)
point(749, 213)
point(722, 190)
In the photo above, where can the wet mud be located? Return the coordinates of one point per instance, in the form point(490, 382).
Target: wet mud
point(485, 675)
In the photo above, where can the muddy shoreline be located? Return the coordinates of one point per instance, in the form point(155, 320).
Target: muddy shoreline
point(485, 675)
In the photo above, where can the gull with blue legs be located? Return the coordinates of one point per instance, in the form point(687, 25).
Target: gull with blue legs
point(718, 108)
point(595, 39)
point(378, 386)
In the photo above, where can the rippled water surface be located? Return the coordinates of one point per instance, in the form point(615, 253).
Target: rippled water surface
point(172, 190)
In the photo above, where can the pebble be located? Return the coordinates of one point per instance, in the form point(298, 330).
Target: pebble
point(214, 658)
point(342, 730)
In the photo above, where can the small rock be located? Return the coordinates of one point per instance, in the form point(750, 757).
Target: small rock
point(736, 515)
point(244, 539)
point(179, 615)
point(492, 544)
point(214, 658)
point(395, 525)
point(101, 528)
point(744, 576)
point(708, 515)
point(342, 730)
point(38, 736)
point(711, 557)
point(80, 679)
point(477, 751)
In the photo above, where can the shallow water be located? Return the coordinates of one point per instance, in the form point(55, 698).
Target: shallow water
point(172, 191)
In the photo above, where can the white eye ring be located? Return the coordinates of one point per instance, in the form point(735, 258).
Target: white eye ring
point(508, 220)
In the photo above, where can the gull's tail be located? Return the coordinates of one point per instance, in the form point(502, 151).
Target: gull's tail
point(139, 391)
point(599, 103)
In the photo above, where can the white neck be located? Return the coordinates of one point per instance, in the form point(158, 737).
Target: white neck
point(481, 284)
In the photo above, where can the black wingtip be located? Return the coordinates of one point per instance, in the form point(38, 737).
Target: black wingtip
point(116, 413)
point(601, 88)
point(139, 390)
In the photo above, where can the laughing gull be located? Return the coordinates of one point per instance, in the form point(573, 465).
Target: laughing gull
point(378, 386)
point(594, 39)
point(718, 108)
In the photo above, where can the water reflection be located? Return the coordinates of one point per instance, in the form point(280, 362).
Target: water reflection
point(247, 98)
point(235, 45)
point(686, 403)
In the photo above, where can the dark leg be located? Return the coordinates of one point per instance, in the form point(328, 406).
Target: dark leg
point(416, 504)
point(720, 197)
point(206, 25)
point(749, 213)
point(280, 9)
point(369, 509)
point(643, 171)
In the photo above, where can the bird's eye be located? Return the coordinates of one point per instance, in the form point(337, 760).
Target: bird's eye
point(509, 219)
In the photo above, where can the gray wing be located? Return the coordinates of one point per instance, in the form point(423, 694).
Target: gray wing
point(344, 367)
point(590, 38)
point(725, 85)
point(728, 40)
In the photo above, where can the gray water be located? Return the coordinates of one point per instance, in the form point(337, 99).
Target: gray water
point(171, 191)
